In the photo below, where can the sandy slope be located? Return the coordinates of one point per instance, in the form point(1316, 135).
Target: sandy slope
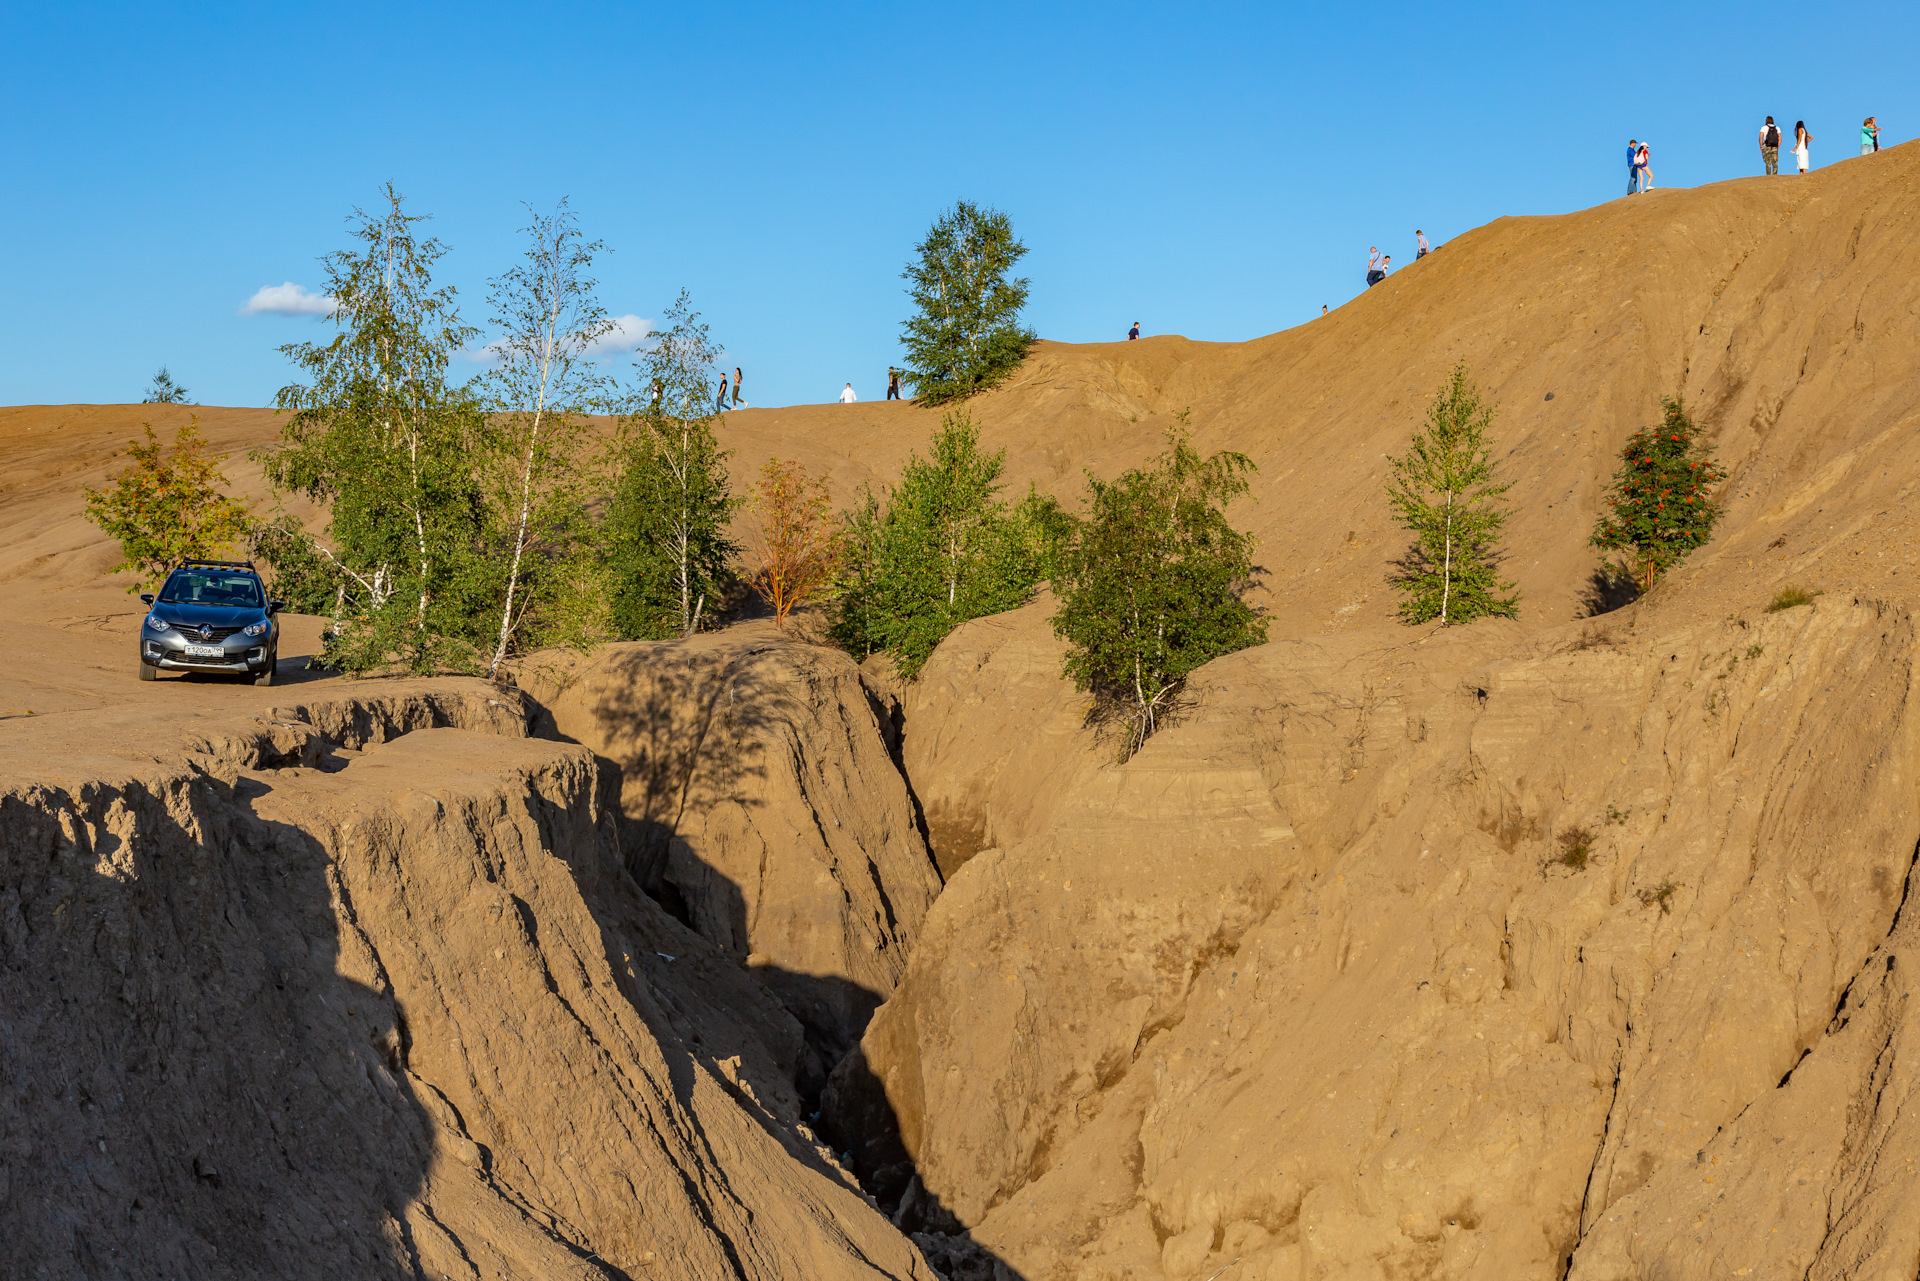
point(1296, 992)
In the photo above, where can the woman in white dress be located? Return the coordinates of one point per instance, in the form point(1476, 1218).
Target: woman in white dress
point(1800, 140)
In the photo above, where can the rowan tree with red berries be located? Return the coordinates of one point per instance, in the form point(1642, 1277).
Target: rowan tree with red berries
point(1660, 506)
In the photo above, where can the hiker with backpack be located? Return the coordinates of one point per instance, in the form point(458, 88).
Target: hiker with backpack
point(1770, 146)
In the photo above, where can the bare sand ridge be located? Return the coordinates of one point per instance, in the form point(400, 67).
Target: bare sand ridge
point(356, 976)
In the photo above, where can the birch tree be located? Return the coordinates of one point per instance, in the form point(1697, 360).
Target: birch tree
point(670, 555)
point(965, 333)
point(1152, 583)
point(547, 316)
point(1446, 491)
point(381, 437)
point(944, 548)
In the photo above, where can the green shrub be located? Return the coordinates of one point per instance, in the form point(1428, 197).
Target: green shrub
point(1576, 848)
point(1152, 581)
point(1791, 598)
point(166, 505)
point(1659, 506)
point(940, 549)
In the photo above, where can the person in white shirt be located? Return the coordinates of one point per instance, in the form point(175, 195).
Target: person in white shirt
point(1801, 141)
point(847, 397)
point(1770, 146)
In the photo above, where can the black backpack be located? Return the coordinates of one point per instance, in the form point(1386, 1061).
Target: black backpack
point(1773, 135)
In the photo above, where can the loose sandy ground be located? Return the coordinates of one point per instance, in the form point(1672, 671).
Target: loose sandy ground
point(1296, 992)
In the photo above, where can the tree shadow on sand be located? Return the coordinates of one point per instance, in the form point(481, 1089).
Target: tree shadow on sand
point(1608, 588)
point(675, 718)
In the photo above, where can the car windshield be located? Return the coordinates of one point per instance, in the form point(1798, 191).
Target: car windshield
point(211, 587)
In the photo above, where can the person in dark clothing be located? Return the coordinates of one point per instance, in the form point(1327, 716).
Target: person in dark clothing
point(720, 401)
point(893, 383)
point(1134, 332)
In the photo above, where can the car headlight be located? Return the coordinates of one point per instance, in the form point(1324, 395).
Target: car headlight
point(158, 623)
point(256, 629)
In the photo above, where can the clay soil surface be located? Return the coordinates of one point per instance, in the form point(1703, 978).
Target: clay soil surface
point(368, 976)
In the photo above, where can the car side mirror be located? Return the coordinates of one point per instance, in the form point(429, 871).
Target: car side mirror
point(146, 598)
point(275, 606)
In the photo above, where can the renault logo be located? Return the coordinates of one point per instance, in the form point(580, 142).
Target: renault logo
point(206, 633)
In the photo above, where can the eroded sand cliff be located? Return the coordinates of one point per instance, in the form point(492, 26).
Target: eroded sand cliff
point(359, 978)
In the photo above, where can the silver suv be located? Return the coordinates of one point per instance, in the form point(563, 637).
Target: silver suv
point(211, 616)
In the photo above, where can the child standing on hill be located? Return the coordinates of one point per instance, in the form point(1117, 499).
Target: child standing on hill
point(1801, 141)
point(1869, 136)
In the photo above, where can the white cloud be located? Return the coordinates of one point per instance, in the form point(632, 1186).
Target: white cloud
point(288, 299)
point(628, 332)
point(626, 336)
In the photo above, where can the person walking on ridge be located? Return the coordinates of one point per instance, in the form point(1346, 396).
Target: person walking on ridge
point(1421, 238)
point(720, 401)
point(1770, 146)
point(847, 397)
point(1134, 332)
point(1869, 135)
point(1633, 166)
point(1374, 274)
point(893, 383)
point(1801, 141)
point(736, 386)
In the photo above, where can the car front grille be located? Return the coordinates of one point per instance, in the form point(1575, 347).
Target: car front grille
point(200, 660)
point(198, 635)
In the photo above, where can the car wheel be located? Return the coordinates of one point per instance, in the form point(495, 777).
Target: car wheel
point(266, 675)
point(148, 672)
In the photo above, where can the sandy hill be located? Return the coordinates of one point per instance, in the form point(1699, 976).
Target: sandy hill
point(1303, 990)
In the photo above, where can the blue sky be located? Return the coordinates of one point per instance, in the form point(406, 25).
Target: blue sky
point(1215, 171)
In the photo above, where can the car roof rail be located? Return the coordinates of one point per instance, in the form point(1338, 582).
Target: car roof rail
point(224, 564)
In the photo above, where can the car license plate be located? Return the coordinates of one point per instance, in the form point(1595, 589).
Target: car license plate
point(206, 651)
